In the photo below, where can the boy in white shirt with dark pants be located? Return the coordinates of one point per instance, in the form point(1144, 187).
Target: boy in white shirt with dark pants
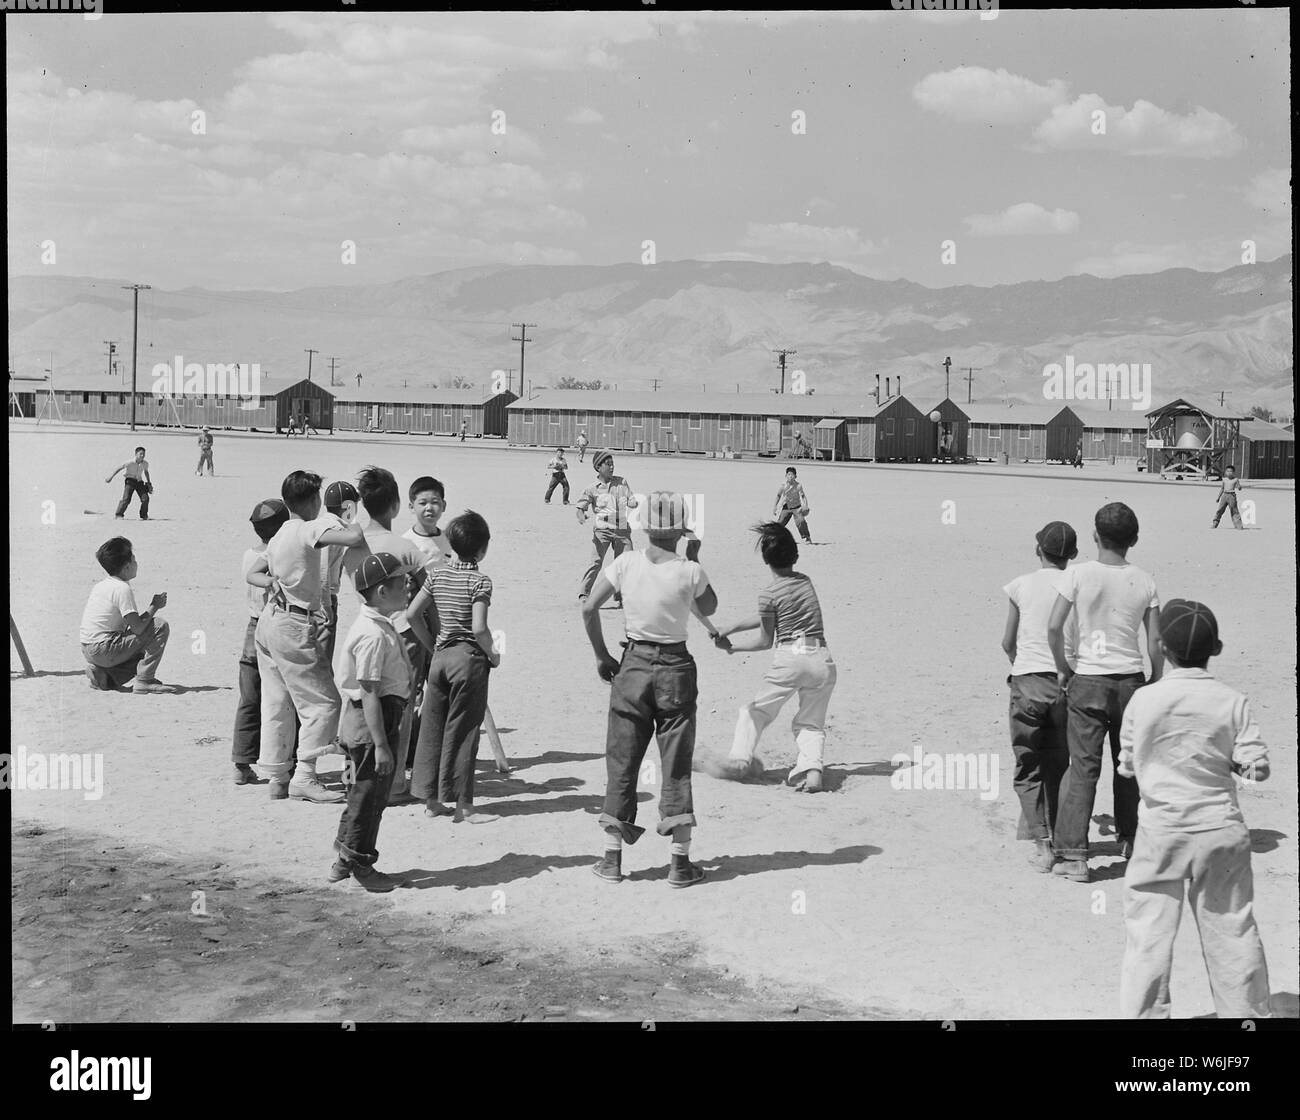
point(1184, 739)
point(1113, 600)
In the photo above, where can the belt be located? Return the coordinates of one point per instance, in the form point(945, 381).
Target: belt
point(666, 647)
point(293, 608)
point(801, 645)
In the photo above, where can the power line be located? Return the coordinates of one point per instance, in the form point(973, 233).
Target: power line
point(781, 355)
point(971, 371)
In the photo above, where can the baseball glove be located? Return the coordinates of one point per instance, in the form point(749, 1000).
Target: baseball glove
point(148, 487)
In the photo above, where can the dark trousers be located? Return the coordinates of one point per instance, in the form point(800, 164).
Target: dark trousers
point(133, 486)
point(246, 744)
point(799, 520)
point(560, 479)
point(653, 693)
point(420, 658)
point(1229, 502)
point(455, 698)
point(359, 828)
point(1095, 707)
point(1038, 741)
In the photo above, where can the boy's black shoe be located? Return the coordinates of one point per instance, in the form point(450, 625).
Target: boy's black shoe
point(610, 868)
point(245, 775)
point(375, 881)
point(683, 873)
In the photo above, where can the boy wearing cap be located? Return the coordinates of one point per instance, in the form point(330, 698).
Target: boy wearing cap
point(608, 498)
point(1229, 488)
point(791, 501)
point(295, 676)
point(341, 500)
point(557, 468)
point(137, 480)
point(1038, 712)
point(122, 644)
point(1184, 738)
point(654, 687)
point(1113, 600)
point(205, 451)
point(374, 679)
point(582, 446)
point(246, 743)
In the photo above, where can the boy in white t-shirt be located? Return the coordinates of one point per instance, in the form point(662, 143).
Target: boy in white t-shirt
point(654, 686)
point(1113, 600)
point(1037, 714)
point(118, 640)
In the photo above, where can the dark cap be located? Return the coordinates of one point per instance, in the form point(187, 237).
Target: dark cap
point(600, 457)
point(1058, 539)
point(1188, 629)
point(378, 568)
point(336, 493)
point(264, 511)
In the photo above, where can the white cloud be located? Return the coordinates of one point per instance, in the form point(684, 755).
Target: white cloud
point(973, 93)
point(585, 115)
point(1144, 130)
point(1023, 218)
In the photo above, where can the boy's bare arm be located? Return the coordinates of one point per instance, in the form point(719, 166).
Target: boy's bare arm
point(606, 666)
point(350, 536)
point(1056, 637)
point(416, 616)
point(259, 575)
point(1157, 655)
point(751, 623)
point(117, 472)
point(1010, 632)
point(373, 710)
point(762, 640)
point(482, 634)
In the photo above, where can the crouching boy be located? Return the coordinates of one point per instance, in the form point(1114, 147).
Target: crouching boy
point(121, 643)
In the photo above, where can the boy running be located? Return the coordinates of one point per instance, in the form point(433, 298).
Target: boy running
point(137, 481)
point(791, 501)
point(608, 498)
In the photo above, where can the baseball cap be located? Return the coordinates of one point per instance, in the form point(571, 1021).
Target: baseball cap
point(600, 457)
point(205, 428)
point(1058, 539)
point(666, 511)
point(378, 568)
point(1188, 629)
point(271, 507)
point(336, 493)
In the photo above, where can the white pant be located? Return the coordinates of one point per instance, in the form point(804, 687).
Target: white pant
point(295, 675)
point(1213, 869)
point(812, 675)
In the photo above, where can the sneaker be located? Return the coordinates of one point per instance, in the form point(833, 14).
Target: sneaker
point(338, 872)
point(375, 881)
point(1076, 870)
point(310, 789)
point(1043, 858)
point(610, 868)
point(1126, 849)
point(279, 790)
point(683, 873)
point(245, 775)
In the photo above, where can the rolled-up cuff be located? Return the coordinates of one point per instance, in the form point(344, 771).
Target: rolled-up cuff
point(1071, 853)
point(667, 824)
point(348, 855)
point(631, 833)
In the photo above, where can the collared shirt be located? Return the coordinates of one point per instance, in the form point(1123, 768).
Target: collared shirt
point(792, 605)
point(1034, 595)
point(379, 539)
point(256, 595)
point(110, 601)
point(373, 652)
point(435, 549)
point(137, 470)
point(558, 465)
point(291, 556)
point(657, 595)
point(205, 440)
point(1185, 733)
point(1229, 485)
point(608, 502)
point(791, 496)
point(1110, 601)
point(456, 587)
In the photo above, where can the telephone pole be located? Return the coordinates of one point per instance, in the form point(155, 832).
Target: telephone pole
point(523, 341)
point(655, 387)
point(112, 349)
point(310, 352)
point(332, 361)
point(781, 355)
point(135, 336)
point(947, 371)
point(971, 371)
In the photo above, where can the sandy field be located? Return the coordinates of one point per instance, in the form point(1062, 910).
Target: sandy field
point(868, 900)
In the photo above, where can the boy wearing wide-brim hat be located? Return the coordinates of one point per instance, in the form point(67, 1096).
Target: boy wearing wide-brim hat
point(607, 499)
point(654, 687)
point(205, 451)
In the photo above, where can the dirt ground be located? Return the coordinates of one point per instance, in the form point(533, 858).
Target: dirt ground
point(866, 901)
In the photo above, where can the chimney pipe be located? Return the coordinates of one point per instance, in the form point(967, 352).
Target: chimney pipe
point(887, 394)
point(877, 388)
point(898, 390)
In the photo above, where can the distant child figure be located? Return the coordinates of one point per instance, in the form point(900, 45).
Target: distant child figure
point(581, 441)
point(1078, 453)
point(246, 744)
point(789, 622)
point(557, 466)
point(341, 500)
point(608, 498)
point(791, 501)
point(296, 677)
point(374, 679)
point(205, 451)
point(456, 693)
point(655, 689)
point(464, 429)
point(122, 644)
point(1229, 488)
point(1038, 713)
point(1113, 600)
point(1184, 739)
point(137, 481)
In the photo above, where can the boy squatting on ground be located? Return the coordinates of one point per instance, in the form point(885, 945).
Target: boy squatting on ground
point(654, 688)
point(789, 622)
point(1113, 599)
point(609, 498)
point(137, 481)
point(1184, 738)
point(456, 692)
point(1229, 488)
point(1038, 714)
point(120, 642)
point(374, 679)
point(295, 674)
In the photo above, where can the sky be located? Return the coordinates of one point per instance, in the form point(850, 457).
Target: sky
point(281, 151)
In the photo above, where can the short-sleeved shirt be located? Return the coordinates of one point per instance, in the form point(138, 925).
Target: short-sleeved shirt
point(435, 549)
point(110, 601)
point(137, 470)
point(1110, 601)
point(657, 596)
point(608, 503)
point(791, 496)
point(379, 539)
point(456, 587)
point(791, 602)
point(292, 558)
point(1034, 595)
point(205, 440)
point(1229, 486)
point(372, 651)
point(557, 465)
point(256, 595)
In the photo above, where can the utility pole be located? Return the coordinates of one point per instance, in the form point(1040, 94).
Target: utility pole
point(332, 361)
point(135, 336)
point(971, 371)
point(310, 352)
point(523, 341)
point(947, 370)
point(655, 388)
point(112, 349)
point(1221, 395)
point(780, 357)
